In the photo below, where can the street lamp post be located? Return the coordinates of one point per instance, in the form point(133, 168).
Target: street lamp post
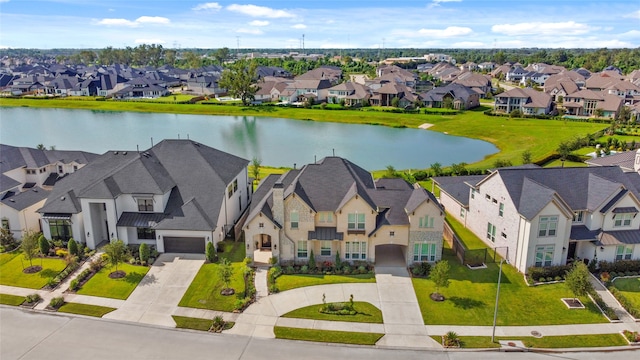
point(495, 311)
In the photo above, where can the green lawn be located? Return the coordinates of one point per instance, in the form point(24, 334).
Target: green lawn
point(184, 322)
point(511, 136)
point(630, 288)
point(102, 285)
point(558, 163)
point(288, 282)
point(546, 342)
point(469, 239)
point(470, 299)
point(12, 264)
point(204, 291)
point(13, 300)
point(342, 337)
point(367, 313)
point(84, 309)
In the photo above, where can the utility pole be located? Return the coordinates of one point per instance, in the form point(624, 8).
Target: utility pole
point(302, 42)
point(237, 47)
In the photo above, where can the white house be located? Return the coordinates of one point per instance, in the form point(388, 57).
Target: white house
point(548, 216)
point(333, 206)
point(177, 195)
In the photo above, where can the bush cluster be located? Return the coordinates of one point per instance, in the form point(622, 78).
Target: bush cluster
point(626, 304)
point(63, 275)
point(548, 273)
point(620, 267)
point(249, 286)
point(611, 314)
point(56, 302)
point(420, 269)
point(32, 298)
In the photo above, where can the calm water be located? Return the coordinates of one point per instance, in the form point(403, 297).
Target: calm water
point(278, 142)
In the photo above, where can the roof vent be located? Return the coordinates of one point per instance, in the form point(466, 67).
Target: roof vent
point(35, 190)
point(62, 198)
point(12, 200)
point(115, 153)
point(124, 153)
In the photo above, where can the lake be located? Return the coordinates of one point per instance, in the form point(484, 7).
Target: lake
point(276, 141)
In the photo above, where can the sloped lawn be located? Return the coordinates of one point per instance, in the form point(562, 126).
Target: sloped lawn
point(470, 299)
point(630, 288)
point(12, 264)
point(288, 282)
point(102, 285)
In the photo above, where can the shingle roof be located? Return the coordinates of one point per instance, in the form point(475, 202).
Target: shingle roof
point(23, 200)
point(625, 160)
point(458, 186)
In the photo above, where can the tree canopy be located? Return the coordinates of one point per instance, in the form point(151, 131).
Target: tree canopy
point(239, 80)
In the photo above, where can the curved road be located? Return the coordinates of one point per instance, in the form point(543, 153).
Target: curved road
point(34, 335)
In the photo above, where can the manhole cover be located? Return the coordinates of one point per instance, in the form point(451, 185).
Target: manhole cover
point(536, 334)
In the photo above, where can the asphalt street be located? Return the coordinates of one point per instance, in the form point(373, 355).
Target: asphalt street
point(34, 335)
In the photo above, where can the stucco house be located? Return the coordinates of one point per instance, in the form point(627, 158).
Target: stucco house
point(177, 195)
point(459, 96)
point(550, 216)
point(588, 103)
point(527, 100)
point(334, 206)
point(26, 178)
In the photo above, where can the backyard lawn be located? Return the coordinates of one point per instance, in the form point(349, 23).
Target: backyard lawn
point(630, 288)
point(366, 313)
point(342, 337)
point(102, 285)
point(12, 264)
point(288, 282)
point(84, 309)
point(470, 299)
point(204, 291)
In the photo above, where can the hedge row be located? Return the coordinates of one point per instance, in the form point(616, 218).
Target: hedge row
point(635, 312)
point(620, 266)
point(548, 272)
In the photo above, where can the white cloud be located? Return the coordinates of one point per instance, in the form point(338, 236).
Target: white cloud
point(299, 26)
point(451, 31)
point(630, 34)
point(541, 28)
point(152, 20)
point(250, 31)
point(260, 11)
point(210, 6)
point(117, 22)
point(633, 15)
point(4, 1)
point(149, 41)
point(445, 1)
point(259, 23)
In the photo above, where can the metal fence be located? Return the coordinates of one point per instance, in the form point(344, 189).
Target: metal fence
point(473, 257)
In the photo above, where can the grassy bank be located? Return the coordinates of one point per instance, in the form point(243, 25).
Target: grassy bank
point(511, 136)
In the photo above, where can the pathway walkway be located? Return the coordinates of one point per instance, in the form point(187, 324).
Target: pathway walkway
point(611, 301)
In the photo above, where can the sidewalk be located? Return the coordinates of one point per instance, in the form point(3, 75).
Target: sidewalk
point(611, 301)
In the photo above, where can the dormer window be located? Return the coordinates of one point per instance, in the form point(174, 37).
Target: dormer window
point(355, 222)
point(145, 205)
point(578, 216)
point(622, 219)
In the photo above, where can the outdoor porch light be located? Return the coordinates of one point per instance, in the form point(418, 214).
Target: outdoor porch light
point(275, 246)
point(247, 246)
point(601, 248)
point(88, 234)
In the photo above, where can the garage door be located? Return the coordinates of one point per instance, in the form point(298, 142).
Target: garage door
point(184, 245)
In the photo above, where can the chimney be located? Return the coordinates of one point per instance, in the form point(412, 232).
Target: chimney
point(636, 164)
point(278, 202)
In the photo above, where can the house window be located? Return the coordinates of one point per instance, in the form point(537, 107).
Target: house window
point(295, 217)
point(145, 204)
point(501, 210)
point(548, 226)
point(261, 225)
point(578, 216)
point(60, 169)
point(146, 234)
point(326, 217)
point(235, 185)
point(355, 221)
point(494, 200)
point(5, 224)
point(426, 222)
point(491, 232)
point(424, 252)
point(623, 252)
point(392, 233)
point(325, 248)
point(75, 167)
point(544, 255)
point(302, 249)
point(622, 220)
point(487, 197)
point(504, 236)
point(60, 230)
point(462, 212)
point(355, 250)
point(229, 190)
point(30, 172)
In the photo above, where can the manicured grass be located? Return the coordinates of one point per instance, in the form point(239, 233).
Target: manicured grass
point(367, 313)
point(341, 337)
point(12, 264)
point(102, 285)
point(558, 163)
point(84, 309)
point(470, 299)
point(511, 136)
point(468, 238)
point(13, 300)
point(184, 322)
point(630, 288)
point(234, 251)
point(545, 342)
point(288, 282)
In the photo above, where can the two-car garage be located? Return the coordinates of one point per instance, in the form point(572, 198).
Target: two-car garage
point(191, 245)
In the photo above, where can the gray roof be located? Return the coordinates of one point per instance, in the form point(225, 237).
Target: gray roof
point(325, 233)
point(196, 175)
point(13, 157)
point(458, 186)
point(624, 160)
point(22, 200)
point(620, 237)
point(582, 233)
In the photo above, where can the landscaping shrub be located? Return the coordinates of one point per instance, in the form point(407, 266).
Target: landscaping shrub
point(144, 252)
point(451, 339)
point(620, 267)
point(63, 275)
point(548, 273)
point(218, 323)
point(56, 302)
point(62, 252)
point(421, 269)
point(626, 304)
point(74, 285)
point(312, 261)
point(32, 298)
point(72, 247)
point(273, 260)
point(611, 314)
point(631, 336)
point(44, 245)
point(210, 253)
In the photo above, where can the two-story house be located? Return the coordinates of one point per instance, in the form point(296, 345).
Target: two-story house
point(528, 101)
point(549, 216)
point(177, 195)
point(26, 176)
point(334, 206)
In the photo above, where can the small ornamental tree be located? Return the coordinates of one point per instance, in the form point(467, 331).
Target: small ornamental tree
point(312, 261)
point(256, 164)
point(225, 272)
point(210, 252)
point(526, 157)
point(440, 276)
point(72, 246)
point(577, 280)
point(116, 250)
point(44, 245)
point(145, 252)
point(30, 246)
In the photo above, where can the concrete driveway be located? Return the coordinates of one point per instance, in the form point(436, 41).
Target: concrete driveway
point(158, 294)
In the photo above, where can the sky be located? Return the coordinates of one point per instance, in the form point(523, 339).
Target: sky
point(374, 24)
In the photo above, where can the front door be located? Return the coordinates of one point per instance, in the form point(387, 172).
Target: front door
point(571, 254)
point(265, 242)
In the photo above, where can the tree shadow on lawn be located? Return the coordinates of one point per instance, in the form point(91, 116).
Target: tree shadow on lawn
point(466, 303)
point(133, 277)
point(48, 273)
point(146, 280)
